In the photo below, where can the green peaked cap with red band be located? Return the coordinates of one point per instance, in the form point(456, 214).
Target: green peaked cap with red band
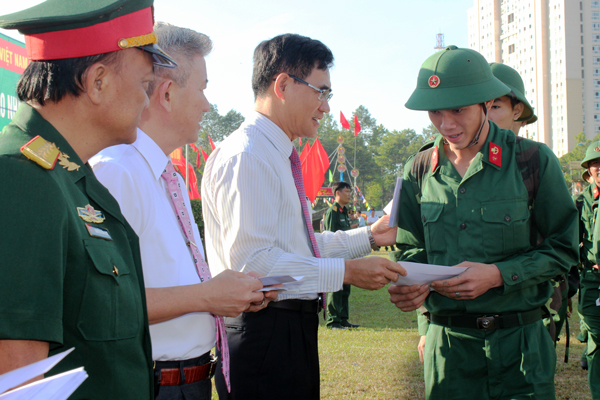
point(61, 29)
point(454, 78)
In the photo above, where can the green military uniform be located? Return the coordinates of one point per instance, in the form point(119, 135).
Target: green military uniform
point(484, 217)
point(337, 219)
point(589, 308)
point(65, 280)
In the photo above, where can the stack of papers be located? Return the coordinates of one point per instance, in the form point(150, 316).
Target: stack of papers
point(269, 281)
point(57, 387)
point(420, 274)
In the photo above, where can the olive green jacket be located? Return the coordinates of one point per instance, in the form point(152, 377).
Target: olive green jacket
point(61, 282)
point(484, 217)
point(336, 218)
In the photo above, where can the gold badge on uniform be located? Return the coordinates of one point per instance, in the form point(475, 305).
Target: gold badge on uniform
point(88, 214)
point(434, 81)
point(68, 165)
point(41, 151)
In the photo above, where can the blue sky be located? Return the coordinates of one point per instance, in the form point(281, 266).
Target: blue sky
point(378, 46)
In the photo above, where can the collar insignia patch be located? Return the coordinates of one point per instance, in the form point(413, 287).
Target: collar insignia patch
point(495, 154)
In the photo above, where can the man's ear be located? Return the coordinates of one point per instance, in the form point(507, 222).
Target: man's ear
point(488, 104)
point(96, 80)
point(164, 91)
point(518, 111)
point(281, 85)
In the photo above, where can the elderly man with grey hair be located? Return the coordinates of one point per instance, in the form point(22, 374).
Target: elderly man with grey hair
point(182, 299)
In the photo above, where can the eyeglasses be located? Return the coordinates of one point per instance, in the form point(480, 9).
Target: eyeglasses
point(324, 94)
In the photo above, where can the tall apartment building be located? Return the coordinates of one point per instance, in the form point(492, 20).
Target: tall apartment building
point(555, 46)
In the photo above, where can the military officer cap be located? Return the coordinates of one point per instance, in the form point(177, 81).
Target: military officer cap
point(592, 153)
point(61, 29)
point(453, 78)
point(511, 78)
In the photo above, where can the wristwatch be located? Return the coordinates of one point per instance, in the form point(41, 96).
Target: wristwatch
point(372, 239)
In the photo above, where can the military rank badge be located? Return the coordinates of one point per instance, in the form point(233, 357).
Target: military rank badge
point(495, 155)
point(88, 214)
point(97, 232)
point(41, 151)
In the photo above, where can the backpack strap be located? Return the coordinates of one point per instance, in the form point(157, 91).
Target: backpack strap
point(528, 162)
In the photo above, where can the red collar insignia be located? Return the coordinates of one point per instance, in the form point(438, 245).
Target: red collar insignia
point(596, 192)
point(495, 154)
point(435, 158)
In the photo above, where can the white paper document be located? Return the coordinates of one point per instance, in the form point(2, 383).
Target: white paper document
point(419, 274)
point(395, 204)
point(269, 281)
point(57, 387)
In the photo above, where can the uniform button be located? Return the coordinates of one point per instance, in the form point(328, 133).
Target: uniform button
point(462, 190)
point(515, 277)
point(463, 226)
point(507, 218)
point(424, 219)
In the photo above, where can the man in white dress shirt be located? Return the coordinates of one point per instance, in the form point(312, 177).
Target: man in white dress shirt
point(182, 328)
point(274, 352)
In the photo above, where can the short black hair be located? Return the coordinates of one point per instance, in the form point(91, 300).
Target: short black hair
point(291, 53)
point(51, 80)
point(337, 186)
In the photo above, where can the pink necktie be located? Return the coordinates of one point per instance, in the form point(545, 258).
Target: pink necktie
point(170, 176)
point(299, 181)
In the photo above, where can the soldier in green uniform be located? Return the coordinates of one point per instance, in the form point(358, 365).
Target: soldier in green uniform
point(589, 303)
point(71, 273)
point(337, 219)
point(467, 201)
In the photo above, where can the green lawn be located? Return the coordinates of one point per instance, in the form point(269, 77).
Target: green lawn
point(380, 360)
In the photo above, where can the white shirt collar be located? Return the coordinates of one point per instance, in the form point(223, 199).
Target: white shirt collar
point(273, 133)
point(157, 160)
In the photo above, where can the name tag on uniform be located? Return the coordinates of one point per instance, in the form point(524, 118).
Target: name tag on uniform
point(101, 233)
point(342, 219)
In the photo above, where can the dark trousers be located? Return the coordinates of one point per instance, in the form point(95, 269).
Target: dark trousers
point(338, 309)
point(274, 355)
point(200, 390)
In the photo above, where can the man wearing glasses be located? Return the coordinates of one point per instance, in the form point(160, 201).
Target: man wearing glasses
point(274, 352)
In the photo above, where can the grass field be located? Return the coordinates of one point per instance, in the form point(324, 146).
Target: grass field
point(380, 360)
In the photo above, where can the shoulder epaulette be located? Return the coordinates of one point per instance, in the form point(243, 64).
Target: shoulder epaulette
point(334, 208)
point(41, 151)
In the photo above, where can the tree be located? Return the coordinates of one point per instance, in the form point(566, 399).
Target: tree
point(217, 126)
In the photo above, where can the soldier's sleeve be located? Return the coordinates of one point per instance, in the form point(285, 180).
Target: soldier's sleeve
point(410, 239)
point(555, 216)
point(329, 221)
point(32, 250)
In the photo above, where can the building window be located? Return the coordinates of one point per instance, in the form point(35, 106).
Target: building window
point(595, 4)
point(595, 15)
point(511, 17)
point(511, 49)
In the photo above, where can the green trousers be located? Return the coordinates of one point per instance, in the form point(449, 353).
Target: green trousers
point(512, 363)
point(591, 324)
point(337, 306)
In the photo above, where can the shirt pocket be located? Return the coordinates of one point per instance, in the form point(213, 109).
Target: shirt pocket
point(433, 227)
point(110, 306)
point(506, 227)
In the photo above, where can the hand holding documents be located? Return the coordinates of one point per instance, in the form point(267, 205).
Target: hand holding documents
point(57, 387)
point(419, 274)
point(269, 281)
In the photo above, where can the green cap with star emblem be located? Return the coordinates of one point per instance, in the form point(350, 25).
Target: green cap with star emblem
point(454, 78)
point(592, 153)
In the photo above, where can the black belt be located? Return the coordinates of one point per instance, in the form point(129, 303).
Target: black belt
point(304, 306)
point(488, 323)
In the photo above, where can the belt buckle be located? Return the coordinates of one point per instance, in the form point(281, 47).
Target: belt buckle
point(213, 366)
point(486, 323)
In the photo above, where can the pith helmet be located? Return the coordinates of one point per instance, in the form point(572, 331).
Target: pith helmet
point(512, 79)
point(62, 29)
point(454, 78)
point(592, 152)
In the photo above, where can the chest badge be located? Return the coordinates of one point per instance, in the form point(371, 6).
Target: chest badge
point(98, 232)
point(88, 214)
point(495, 154)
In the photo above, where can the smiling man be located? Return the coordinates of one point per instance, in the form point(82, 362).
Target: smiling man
point(71, 273)
point(182, 304)
point(482, 198)
point(274, 352)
